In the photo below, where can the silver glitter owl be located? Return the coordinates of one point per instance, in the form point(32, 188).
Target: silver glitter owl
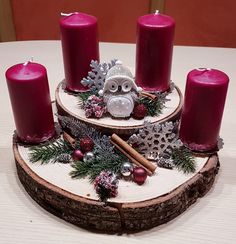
point(120, 91)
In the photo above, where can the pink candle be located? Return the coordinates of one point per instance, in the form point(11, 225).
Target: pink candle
point(31, 104)
point(203, 108)
point(155, 35)
point(79, 46)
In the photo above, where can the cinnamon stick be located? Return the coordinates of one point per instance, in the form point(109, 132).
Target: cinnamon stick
point(130, 158)
point(132, 154)
point(149, 95)
point(69, 139)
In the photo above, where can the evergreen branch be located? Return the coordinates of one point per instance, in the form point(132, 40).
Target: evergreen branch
point(102, 145)
point(50, 152)
point(85, 95)
point(183, 160)
point(154, 107)
point(93, 169)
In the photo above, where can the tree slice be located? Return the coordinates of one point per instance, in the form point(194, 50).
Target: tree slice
point(115, 216)
point(68, 104)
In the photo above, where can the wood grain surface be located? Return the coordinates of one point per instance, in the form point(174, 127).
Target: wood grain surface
point(115, 217)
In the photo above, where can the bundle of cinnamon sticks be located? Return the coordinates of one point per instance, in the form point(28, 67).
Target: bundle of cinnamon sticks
point(132, 154)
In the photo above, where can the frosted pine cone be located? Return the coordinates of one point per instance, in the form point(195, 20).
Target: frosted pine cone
point(94, 106)
point(106, 185)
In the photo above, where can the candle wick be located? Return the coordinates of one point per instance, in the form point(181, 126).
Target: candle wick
point(157, 12)
point(119, 62)
point(69, 14)
point(203, 69)
point(29, 61)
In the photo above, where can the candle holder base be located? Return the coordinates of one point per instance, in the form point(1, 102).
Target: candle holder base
point(163, 197)
point(67, 105)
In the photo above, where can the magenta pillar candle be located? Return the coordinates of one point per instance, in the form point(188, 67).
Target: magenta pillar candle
point(79, 40)
point(155, 35)
point(203, 108)
point(31, 104)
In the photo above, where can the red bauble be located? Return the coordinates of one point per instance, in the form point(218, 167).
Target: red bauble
point(139, 175)
point(77, 155)
point(86, 144)
point(140, 111)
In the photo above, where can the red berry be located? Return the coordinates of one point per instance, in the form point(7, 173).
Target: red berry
point(77, 155)
point(140, 111)
point(86, 144)
point(139, 175)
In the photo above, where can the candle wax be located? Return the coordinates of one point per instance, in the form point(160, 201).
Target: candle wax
point(79, 46)
point(155, 35)
point(202, 113)
point(31, 104)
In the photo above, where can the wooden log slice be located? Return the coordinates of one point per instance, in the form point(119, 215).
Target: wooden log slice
point(163, 197)
point(67, 105)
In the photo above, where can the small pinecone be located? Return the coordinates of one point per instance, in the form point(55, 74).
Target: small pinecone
point(140, 111)
point(64, 158)
point(165, 163)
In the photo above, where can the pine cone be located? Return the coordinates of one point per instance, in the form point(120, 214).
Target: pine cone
point(106, 185)
point(64, 158)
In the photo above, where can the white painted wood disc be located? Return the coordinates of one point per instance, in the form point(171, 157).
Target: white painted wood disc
point(67, 104)
point(161, 183)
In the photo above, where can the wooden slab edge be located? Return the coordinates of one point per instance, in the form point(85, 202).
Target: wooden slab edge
point(80, 211)
point(62, 110)
point(154, 212)
point(115, 217)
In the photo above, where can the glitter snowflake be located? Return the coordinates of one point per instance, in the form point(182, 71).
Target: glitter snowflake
point(96, 77)
point(156, 140)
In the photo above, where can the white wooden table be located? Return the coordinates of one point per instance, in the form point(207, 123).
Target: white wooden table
point(211, 220)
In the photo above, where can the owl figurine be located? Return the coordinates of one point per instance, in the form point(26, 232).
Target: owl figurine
point(120, 91)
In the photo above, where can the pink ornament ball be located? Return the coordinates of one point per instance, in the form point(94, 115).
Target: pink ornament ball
point(77, 155)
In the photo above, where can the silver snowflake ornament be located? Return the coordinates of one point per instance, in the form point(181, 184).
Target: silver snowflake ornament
point(96, 77)
point(156, 141)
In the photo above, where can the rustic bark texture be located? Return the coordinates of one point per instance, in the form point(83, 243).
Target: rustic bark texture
point(116, 217)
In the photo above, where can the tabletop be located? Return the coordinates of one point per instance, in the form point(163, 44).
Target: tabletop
point(211, 220)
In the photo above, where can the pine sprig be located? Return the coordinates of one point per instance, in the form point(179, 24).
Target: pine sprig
point(154, 107)
point(102, 144)
point(94, 168)
point(84, 95)
point(183, 160)
point(50, 152)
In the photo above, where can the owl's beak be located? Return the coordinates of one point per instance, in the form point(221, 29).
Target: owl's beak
point(119, 88)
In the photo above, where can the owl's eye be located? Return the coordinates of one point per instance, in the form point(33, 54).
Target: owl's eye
point(126, 86)
point(113, 87)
